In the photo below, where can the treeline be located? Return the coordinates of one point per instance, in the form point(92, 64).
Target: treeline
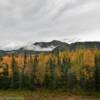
point(52, 71)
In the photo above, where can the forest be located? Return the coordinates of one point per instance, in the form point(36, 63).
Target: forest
point(77, 70)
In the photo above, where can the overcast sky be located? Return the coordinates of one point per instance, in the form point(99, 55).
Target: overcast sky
point(45, 20)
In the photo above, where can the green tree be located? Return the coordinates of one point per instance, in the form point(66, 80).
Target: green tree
point(34, 64)
point(46, 78)
point(52, 73)
point(97, 73)
point(65, 65)
point(24, 80)
point(87, 79)
point(4, 79)
point(15, 76)
point(50, 80)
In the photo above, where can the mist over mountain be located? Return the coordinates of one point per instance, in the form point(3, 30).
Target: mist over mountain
point(45, 47)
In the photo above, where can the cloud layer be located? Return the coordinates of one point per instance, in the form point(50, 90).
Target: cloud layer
point(44, 20)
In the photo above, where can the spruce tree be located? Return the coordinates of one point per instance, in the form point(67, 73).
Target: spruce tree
point(97, 73)
point(87, 79)
point(52, 73)
point(50, 80)
point(46, 78)
point(15, 76)
point(25, 80)
point(65, 65)
point(4, 79)
point(34, 64)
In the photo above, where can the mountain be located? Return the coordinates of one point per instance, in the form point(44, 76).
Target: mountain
point(85, 45)
point(78, 45)
point(52, 43)
point(45, 47)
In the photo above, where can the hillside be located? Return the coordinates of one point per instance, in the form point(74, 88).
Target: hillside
point(46, 47)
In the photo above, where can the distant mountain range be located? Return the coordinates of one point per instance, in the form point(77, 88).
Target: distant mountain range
point(52, 46)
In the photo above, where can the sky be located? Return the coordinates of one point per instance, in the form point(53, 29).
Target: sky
point(45, 20)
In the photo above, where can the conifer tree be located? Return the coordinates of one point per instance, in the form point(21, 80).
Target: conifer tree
point(97, 73)
point(34, 64)
point(50, 80)
point(4, 79)
point(46, 78)
point(52, 73)
point(64, 72)
point(15, 76)
point(25, 80)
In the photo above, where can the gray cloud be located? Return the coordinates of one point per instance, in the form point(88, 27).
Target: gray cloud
point(38, 20)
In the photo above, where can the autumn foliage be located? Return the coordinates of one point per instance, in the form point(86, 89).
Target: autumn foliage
point(68, 69)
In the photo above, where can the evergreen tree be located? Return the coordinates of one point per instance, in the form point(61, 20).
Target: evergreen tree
point(65, 65)
point(25, 80)
point(52, 67)
point(71, 81)
point(87, 80)
point(4, 79)
point(22, 76)
point(50, 80)
point(97, 73)
point(34, 64)
point(15, 76)
point(47, 78)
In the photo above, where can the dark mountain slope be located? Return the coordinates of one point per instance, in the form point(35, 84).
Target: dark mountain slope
point(57, 46)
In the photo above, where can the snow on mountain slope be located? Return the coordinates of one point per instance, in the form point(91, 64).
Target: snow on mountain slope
point(38, 48)
point(9, 46)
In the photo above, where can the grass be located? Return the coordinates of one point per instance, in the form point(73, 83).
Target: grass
point(43, 94)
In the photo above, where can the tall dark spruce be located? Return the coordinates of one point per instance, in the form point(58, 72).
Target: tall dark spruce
point(97, 73)
point(15, 75)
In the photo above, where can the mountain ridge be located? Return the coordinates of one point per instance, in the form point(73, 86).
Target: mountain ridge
point(53, 46)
